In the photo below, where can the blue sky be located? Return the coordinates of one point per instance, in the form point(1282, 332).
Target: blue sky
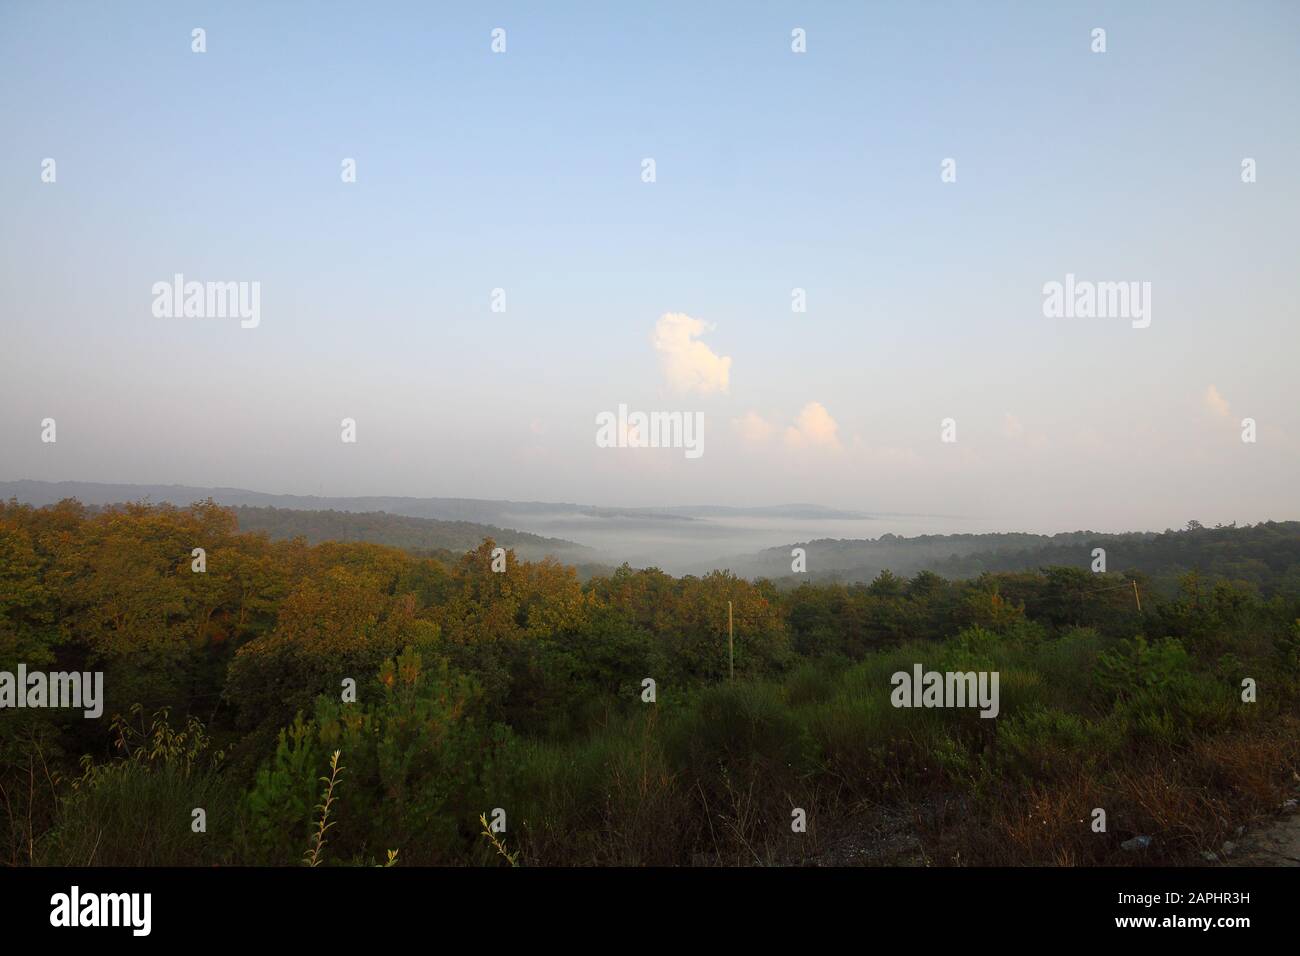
point(775, 170)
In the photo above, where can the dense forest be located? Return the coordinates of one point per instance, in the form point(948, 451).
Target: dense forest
point(506, 712)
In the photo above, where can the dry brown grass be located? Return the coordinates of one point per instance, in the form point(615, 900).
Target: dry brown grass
point(1189, 800)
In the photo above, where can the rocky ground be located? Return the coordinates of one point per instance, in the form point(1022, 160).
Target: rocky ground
point(1273, 844)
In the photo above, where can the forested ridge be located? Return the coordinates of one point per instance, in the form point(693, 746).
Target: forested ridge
point(434, 537)
point(524, 690)
point(1265, 555)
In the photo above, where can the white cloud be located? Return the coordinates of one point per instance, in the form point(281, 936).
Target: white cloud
point(1216, 403)
point(814, 427)
point(753, 427)
point(689, 364)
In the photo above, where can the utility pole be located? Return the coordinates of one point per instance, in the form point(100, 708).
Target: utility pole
point(731, 645)
point(1137, 597)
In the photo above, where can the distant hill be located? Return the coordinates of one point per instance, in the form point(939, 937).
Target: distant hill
point(298, 518)
point(478, 510)
point(402, 531)
point(1266, 555)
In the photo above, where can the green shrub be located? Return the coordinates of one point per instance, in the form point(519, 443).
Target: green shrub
point(1064, 662)
point(861, 740)
point(814, 680)
point(740, 743)
point(1136, 668)
point(973, 649)
point(1052, 744)
point(1158, 698)
point(277, 810)
point(610, 799)
point(420, 768)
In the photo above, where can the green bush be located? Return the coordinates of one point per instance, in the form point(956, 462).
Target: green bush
point(814, 680)
point(610, 799)
point(1136, 667)
point(1064, 661)
point(1158, 697)
point(279, 808)
point(740, 742)
point(1051, 744)
point(860, 738)
point(973, 649)
point(418, 769)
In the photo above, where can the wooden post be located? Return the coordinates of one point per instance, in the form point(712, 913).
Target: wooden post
point(1137, 597)
point(731, 645)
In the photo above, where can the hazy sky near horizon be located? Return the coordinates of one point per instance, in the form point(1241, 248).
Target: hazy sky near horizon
point(774, 170)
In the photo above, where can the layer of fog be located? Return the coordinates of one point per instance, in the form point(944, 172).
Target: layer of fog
point(702, 544)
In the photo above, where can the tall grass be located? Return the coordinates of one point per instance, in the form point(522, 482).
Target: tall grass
point(134, 816)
